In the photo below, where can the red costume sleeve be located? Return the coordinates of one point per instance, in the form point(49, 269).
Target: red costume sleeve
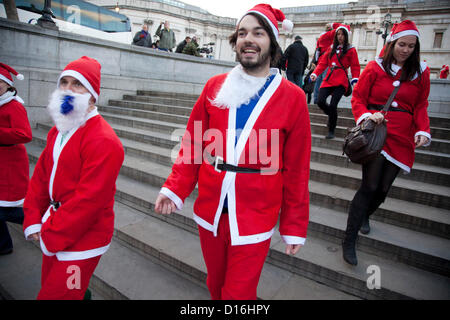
point(19, 131)
point(421, 120)
point(361, 92)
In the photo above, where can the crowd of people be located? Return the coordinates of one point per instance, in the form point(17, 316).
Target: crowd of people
point(67, 206)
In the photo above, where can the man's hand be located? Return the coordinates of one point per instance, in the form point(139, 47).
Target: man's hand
point(164, 205)
point(34, 236)
point(292, 249)
point(420, 140)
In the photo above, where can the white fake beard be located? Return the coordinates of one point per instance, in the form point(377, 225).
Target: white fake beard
point(238, 89)
point(75, 118)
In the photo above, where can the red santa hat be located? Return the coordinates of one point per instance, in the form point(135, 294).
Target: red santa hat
point(272, 16)
point(344, 27)
point(5, 74)
point(87, 71)
point(404, 28)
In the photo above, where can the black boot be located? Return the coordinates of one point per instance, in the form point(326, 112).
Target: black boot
point(349, 251)
point(330, 135)
point(365, 227)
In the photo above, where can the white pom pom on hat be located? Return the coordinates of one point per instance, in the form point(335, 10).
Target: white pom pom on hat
point(287, 25)
point(5, 74)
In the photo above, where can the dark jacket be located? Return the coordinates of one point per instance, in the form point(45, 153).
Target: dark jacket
point(143, 39)
point(297, 57)
point(181, 46)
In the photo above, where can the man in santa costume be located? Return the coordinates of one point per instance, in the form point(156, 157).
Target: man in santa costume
point(444, 72)
point(69, 203)
point(14, 168)
point(247, 145)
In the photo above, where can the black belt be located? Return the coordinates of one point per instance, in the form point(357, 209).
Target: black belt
point(7, 145)
point(219, 166)
point(55, 204)
point(379, 107)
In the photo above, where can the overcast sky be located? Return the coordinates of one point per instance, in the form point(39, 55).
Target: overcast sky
point(236, 8)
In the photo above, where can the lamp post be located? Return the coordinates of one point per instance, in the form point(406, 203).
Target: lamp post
point(46, 19)
point(387, 22)
point(117, 9)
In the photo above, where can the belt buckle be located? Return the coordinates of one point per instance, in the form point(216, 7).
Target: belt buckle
point(216, 163)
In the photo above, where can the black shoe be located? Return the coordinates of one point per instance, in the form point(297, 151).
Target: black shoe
point(365, 228)
point(349, 252)
point(6, 251)
point(330, 135)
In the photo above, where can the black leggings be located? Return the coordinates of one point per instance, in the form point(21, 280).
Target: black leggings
point(377, 178)
point(330, 109)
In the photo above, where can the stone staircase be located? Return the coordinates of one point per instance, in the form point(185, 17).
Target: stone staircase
point(409, 241)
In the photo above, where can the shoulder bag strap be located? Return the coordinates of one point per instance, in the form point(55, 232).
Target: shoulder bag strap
point(391, 98)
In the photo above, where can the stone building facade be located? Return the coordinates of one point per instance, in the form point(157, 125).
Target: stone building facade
point(366, 18)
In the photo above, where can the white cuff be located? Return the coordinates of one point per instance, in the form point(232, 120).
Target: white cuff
point(313, 74)
point(44, 249)
point(293, 240)
point(425, 134)
point(32, 229)
point(363, 117)
point(172, 196)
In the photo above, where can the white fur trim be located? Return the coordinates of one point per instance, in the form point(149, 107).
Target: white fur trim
point(293, 240)
point(396, 162)
point(20, 76)
point(11, 204)
point(2, 77)
point(363, 117)
point(425, 134)
point(81, 255)
point(172, 196)
point(46, 215)
point(82, 79)
point(398, 35)
point(32, 229)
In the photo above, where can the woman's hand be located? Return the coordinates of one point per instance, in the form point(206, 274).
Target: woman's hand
point(377, 117)
point(420, 140)
point(313, 77)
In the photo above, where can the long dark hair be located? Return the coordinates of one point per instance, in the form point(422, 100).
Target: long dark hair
point(411, 65)
point(275, 50)
point(345, 46)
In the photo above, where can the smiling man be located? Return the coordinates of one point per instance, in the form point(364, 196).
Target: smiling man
point(250, 160)
point(69, 204)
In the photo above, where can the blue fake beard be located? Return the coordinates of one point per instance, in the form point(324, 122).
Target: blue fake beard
point(67, 104)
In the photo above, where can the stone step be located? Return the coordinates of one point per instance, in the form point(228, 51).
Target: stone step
point(175, 95)
point(438, 122)
point(320, 259)
point(143, 114)
point(435, 222)
point(408, 190)
point(188, 103)
point(151, 106)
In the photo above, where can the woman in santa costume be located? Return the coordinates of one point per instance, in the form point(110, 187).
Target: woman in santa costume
point(338, 58)
point(408, 125)
point(14, 168)
point(247, 145)
point(69, 203)
point(444, 72)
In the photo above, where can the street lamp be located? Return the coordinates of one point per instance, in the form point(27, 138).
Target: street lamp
point(387, 22)
point(46, 19)
point(117, 9)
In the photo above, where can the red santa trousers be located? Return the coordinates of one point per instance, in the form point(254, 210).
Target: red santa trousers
point(233, 271)
point(65, 280)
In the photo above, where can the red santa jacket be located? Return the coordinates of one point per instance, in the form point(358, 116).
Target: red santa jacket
point(444, 72)
point(278, 126)
point(374, 87)
point(14, 168)
point(325, 41)
point(80, 173)
point(336, 76)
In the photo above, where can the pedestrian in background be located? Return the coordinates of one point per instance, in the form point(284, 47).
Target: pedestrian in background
point(15, 131)
point(166, 37)
point(341, 56)
point(182, 44)
point(143, 38)
point(192, 48)
point(444, 72)
point(297, 58)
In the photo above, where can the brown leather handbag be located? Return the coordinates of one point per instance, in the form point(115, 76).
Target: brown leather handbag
point(365, 141)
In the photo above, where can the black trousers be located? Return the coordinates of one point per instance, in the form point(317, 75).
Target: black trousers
point(330, 109)
point(11, 214)
point(377, 178)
